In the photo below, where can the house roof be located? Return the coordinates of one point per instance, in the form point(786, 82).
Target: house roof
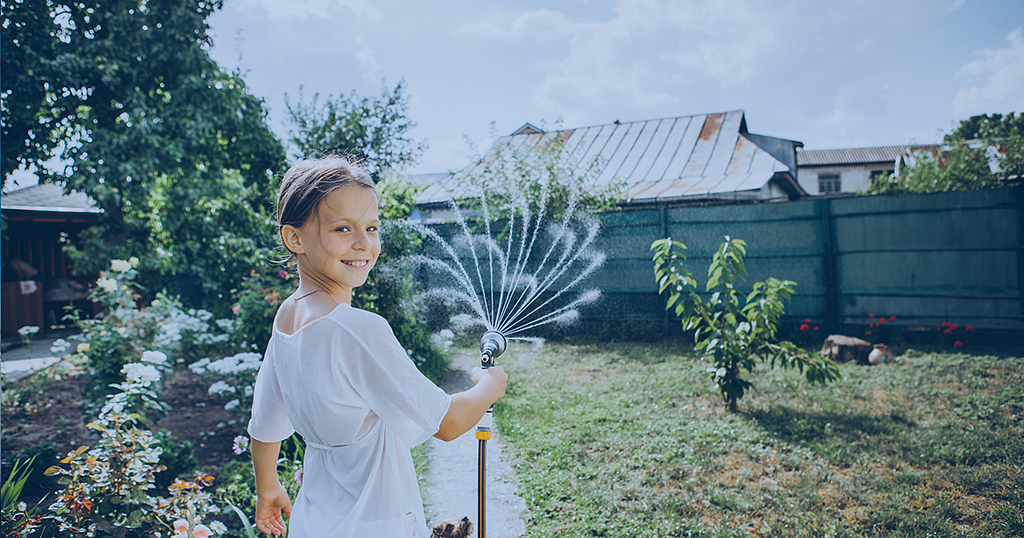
point(47, 198)
point(849, 156)
point(701, 156)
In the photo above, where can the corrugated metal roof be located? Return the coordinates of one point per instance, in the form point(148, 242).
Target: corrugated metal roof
point(48, 197)
point(702, 155)
point(832, 157)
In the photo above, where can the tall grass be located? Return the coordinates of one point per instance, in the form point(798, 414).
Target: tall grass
point(627, 440)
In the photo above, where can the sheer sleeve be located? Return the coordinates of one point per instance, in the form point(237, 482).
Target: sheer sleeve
point(385, 377)
point(269, 422)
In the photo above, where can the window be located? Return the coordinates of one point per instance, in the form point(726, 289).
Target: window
point(828, 184)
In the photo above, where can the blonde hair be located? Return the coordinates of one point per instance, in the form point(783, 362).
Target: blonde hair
point(308, 182)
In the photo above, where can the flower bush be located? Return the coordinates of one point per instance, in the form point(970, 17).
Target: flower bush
point(106, 490)
point(235, 378)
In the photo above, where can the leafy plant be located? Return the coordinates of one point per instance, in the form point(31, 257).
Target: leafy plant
point(732, 329)
point(17, 519)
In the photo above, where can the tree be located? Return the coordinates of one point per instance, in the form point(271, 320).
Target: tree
point(983, 152)
point(544, 179)
point(173, 149)
point(733, 329)
point(372, 132)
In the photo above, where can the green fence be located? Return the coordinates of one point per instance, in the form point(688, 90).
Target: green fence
point(953, 257)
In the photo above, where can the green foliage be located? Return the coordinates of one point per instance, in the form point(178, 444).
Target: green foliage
point(983, 152)
point(371, 132)
point(731, 329)
point(541, 177)
point(17, 519)
point(174, 150)
point(178, 460)
point(256, 302)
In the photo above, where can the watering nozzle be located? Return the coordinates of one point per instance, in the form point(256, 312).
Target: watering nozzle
point(492, 345)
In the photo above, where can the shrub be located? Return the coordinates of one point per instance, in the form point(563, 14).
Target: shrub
point(728, 332)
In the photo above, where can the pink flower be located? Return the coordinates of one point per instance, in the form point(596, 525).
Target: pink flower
point(298, 476)
point(240, 445)
point(200, 530)
point(236, 309)
point(958, 344)
point(283, 273)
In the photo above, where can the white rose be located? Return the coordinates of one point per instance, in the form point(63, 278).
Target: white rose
point(82, 348)
point(120, 266)
point(141, 373)
point(107, 284)
point(154, 357)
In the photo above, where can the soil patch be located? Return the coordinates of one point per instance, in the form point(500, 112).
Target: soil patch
point(53, 413)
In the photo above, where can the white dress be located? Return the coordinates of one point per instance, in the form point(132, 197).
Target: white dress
point(346, 385)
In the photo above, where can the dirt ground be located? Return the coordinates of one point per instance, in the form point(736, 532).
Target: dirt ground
point(53, 414)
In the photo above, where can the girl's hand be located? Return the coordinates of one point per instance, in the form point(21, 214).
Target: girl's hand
point(496, 376)
point(268, 510)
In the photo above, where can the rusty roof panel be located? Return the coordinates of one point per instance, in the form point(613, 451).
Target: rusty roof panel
point(657, 159)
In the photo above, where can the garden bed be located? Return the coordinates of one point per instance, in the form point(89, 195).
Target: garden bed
point(40, 409)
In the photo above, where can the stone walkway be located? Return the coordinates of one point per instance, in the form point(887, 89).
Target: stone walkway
point(451, 491)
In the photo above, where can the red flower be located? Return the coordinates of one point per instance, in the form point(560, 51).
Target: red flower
point(945, 324)
point(969, 328)
point(808, 320)
point(867, 332)
point(958, 344)
point(953, 326)
point(881, 320)
point(804, 327)
point(871, 315)
point(815, 328)
point(892, 318)
point(948, 331)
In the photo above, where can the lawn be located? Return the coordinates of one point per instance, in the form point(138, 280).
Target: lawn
point(626, 440)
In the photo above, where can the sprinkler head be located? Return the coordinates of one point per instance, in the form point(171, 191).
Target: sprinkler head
point(492, 344)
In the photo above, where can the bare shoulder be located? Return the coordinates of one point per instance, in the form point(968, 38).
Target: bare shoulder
point(296, 314)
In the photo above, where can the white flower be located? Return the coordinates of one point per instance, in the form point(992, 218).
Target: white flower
point(218, 527)
point(199, 367)
point(59, 346)
point(120, 266)
point(140, 373)
point(232, 404)
point(107, 284)
point(134, 261)
point(445, 333)
point(28, 330)
point(720, 373)
point(220, 388)
point(82, 348)
point(154, 357)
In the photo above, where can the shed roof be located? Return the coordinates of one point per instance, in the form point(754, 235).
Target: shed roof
point(48, 197)
point(701, 156)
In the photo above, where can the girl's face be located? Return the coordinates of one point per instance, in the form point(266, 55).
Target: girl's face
point(339, 244)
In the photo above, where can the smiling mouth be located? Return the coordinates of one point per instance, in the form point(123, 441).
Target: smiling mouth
point(358, 264)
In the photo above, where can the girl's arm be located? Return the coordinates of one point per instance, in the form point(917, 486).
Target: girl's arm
point(468, 407)
point(271, 498)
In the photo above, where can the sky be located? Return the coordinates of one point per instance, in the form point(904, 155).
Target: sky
point(828, 74)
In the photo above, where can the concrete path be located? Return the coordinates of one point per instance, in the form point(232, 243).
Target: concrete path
point(18, 361)
point(451, 491)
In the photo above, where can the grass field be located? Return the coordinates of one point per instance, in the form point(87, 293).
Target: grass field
point(626, 440)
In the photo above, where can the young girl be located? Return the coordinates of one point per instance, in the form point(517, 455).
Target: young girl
point(338, 376)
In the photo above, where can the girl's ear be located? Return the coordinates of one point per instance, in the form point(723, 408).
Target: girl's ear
point(291, 239)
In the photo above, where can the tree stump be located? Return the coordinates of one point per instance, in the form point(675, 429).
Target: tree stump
point(841, 348)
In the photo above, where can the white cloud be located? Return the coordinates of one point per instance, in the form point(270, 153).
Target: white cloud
point(317, 8)
point(648, 50)
point(1000, 80)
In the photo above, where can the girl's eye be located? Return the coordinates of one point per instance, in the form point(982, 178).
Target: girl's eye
point(371, 229)
point(342, 228)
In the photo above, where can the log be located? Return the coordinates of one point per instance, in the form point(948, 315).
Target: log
point(841, 348)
